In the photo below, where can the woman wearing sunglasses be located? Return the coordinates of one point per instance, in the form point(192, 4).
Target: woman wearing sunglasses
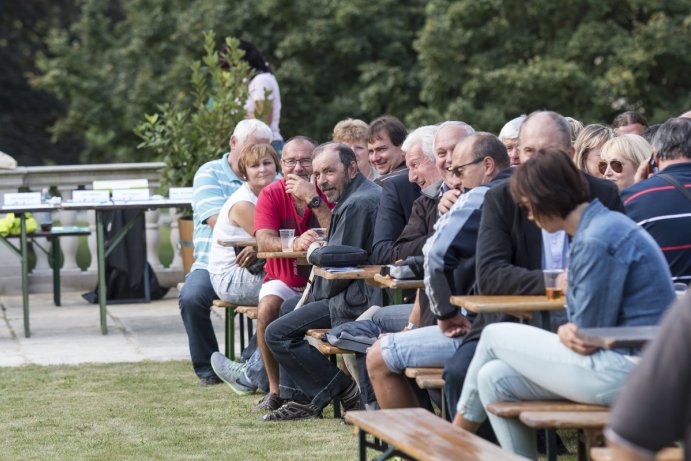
point(621, 156)
point(588, 145)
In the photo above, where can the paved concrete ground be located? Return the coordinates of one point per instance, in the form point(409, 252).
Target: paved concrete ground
point(71, 334)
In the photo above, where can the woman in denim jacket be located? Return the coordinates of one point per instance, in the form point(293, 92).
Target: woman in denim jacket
point(617, 277)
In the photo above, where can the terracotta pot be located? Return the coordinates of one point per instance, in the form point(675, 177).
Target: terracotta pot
point(186, 227)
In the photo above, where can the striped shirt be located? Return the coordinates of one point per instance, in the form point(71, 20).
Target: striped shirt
point(213, 183)
point(662, 210)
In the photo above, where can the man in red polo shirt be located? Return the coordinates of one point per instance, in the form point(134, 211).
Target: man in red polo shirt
point(293, 202)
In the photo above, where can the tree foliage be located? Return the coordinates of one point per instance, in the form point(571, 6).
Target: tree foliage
point(422, 60)
point(194, 129)
point(487, 62)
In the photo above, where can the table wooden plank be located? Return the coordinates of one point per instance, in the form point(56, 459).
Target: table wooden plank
point(565, 419)
point(514, 304)
point(415, 372)
point(513, 409)
point(282, 254)
point(364, 272)
point(666, 454)
point(389, 282)
point(426, 437)
point(242, 242)
point(609, 338)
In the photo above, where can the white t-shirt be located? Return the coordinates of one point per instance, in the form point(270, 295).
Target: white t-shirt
point(260, 82)
point(222, 258)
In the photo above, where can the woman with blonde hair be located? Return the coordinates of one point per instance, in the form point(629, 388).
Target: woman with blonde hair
point(237, 275)
point(587, 147)
point(621, 156)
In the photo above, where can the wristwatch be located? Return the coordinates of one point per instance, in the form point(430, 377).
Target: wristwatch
point(315, 202)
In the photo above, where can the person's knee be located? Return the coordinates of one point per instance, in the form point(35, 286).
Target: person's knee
point(277, 335)
point(195, 297)
point(376, 366)
point(492, 383)
point(267, 310)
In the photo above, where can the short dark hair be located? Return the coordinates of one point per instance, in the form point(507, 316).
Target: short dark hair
point(628, 118)
point(487, 145)
point(650, 132)
point(253, 57)
point(551, 184)
point(393, 127)
point(563, 129)
point(673, 139)
point(345, 153)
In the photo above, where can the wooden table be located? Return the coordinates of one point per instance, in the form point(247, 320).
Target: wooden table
point(362, 272)
point(521, 306)
point(301, 256)
point(397, 285)
point(241, 242)
point(611, 338)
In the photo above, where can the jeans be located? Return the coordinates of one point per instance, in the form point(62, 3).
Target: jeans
point(425, 347)
point(195, 300)
point(455, 370)
point(309, 370)
point(520, 362)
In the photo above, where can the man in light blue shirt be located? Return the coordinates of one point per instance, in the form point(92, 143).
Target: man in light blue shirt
point(214, 182)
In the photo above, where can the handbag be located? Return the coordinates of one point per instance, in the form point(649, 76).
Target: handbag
point(337, 256)
point(257, 267)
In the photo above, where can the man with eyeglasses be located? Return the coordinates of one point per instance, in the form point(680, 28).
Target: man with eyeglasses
point(293, 202)
point(449, 269)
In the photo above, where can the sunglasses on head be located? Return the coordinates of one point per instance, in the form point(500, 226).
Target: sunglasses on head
point(616, 165)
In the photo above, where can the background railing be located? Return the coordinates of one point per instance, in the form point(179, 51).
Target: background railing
point(162, 237)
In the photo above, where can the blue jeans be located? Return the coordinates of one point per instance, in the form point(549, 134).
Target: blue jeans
point(519, 362)
point(195, 300)
point(425, 347)
point(309, 370)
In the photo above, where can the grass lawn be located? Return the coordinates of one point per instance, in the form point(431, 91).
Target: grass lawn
point(148, 410)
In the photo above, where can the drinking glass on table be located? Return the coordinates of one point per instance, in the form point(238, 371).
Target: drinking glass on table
point(553, 288)
point(321, 233)
point(287, 237)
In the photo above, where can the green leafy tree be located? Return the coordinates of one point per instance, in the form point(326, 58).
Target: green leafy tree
point(194, 129)
point(487, 62)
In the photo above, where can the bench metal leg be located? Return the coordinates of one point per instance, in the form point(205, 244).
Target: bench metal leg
point(336, 402)
point(551, 444)
point(230, 333)
point(250, 330)
point(55, 258)
point(241, 321)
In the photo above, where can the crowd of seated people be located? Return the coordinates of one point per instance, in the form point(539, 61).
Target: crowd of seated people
point(609, 206)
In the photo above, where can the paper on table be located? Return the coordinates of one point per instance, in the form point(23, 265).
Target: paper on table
point(342, 269)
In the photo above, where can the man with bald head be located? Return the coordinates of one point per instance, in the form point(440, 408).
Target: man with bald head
point(511, 250)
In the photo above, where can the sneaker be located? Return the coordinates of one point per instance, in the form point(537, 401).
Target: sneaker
point(270, 402)
point(209, 380)
point(293, 411)
point(350, 398)
point(232, 373)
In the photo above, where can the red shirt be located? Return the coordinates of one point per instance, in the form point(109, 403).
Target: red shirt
point(275, 210)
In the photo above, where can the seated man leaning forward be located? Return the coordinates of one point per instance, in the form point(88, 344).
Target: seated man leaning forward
point(617, 277)
point(290, 203)
point(337, 301)
point(478, 162)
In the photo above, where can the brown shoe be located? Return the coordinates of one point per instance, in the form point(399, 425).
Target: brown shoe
point(270, 402)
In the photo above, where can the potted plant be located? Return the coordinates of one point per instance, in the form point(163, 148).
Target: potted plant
point(196, 127)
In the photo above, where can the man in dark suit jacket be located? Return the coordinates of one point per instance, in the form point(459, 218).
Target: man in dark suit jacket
point(509, 246)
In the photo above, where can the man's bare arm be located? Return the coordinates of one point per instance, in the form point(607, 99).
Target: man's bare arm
point(268, 240)
point(211, 220)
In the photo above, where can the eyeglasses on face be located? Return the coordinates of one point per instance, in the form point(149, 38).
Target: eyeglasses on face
point(304, 162)
point(616, 165)
point(457, 171)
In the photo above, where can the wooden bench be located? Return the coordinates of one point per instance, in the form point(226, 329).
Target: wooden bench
point(433, 381)
point(666, 454)
point(416, 433)
point(415, 372)
point(314, 338)
point(563, 414)
point(233, 310)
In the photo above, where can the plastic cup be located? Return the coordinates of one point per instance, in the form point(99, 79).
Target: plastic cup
point(553, 290)
point(321, 233)
point(287, 237)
